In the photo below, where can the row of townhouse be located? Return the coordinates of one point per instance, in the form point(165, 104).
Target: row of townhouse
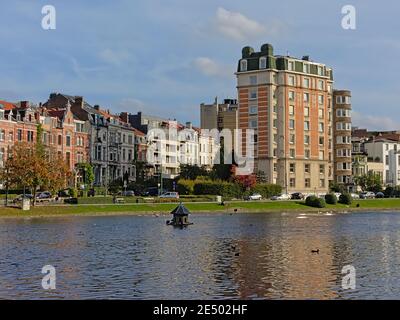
point(113, 144)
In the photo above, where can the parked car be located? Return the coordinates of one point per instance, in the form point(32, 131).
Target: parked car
point(283, 196)
point(380, 195)
point(170, 195)
point(254, 196)
point(44, 196)
point(21, 196)
point(355, 196)
point(151, 192)
point(367, 195)
point(297, 196)
point(128, 193)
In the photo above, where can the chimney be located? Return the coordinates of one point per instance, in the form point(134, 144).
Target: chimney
point(96, 107)
point(79, 101)
point(24, 104)
point(124, 117)
point(189, 125)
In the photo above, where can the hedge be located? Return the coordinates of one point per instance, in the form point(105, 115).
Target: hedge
point(221, 188)
point(345, 198)
point(313, 201)
point(331, 198)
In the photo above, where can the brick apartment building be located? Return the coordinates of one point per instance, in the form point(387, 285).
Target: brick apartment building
point(288, 102)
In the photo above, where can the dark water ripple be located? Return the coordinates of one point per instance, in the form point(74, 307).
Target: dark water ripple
point(244, 256)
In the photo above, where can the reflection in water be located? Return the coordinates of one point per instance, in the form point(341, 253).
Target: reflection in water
point(243, 256)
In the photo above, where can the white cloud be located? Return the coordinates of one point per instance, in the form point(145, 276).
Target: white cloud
point(374, 122)
point(113, 57)
point(211, 68)
point(237, 26)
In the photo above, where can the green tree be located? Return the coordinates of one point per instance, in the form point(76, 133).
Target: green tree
point(191, 172)
point(369, 182)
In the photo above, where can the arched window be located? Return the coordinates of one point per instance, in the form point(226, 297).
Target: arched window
point(243, 65)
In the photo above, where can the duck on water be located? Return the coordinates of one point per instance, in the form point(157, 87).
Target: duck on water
point(180, 217)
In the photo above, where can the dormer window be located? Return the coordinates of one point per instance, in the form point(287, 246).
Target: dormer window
point(243, 65)
point(263, 63)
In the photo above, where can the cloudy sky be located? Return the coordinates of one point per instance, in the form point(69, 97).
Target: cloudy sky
point(166, 57)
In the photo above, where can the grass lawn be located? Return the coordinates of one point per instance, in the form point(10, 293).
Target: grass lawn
point(254, 206)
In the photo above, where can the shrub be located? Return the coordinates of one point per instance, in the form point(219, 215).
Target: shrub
point(73, 192)
point(185, 187)
point(267, 190)
point(345, 198)
point(313, 201)
point(331, 198)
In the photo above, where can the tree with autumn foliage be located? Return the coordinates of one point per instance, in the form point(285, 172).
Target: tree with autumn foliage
point(35, 167)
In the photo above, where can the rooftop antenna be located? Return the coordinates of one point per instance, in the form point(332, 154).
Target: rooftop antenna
point(287, 53)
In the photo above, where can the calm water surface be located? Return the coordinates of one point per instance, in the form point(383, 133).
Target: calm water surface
point(247, 256)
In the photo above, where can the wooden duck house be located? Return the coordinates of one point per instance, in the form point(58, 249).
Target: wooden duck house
point(180, 216)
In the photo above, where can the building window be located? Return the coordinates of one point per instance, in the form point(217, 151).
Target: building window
point(292, 139)
point(321, 169)
point(322, 183)
point(307, 168)
point(68, 141)
point(321, 127)
point(306, 111)
point(2, 135)
point(321, 141)
point(306, 97)
point(306, 68)
point(275, 123)
point(253, 94)
point(19, 134)
point(307, 183)
point(291, 124)
point(291, 110)
point(306, 83)
point(253, 80)
point(243, 65)
point(291, 66)
point(321, 155)
point(292, 153)
point(320, 84)
point(253, 124)
point(320, 71)
point(275, 167)
point(306, 125)
point(321, 113)
point(307, 154)
point(307, 139)
point(29, 136)
point(292, 182)
point(59, 140)
point(275, 138)
point(292, 168)
point(253, 110)
point(291, 95)
point(263, 63)
point(291, 81)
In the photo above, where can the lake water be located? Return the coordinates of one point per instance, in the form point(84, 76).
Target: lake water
point(240, 256)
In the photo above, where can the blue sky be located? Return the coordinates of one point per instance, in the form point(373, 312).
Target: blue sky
point(166, 57)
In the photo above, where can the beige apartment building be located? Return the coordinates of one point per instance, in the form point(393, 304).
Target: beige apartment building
point(342, 147)
point(219, 115)
point(288, 102)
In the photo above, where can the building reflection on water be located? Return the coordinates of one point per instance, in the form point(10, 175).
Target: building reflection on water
point(243, 256)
